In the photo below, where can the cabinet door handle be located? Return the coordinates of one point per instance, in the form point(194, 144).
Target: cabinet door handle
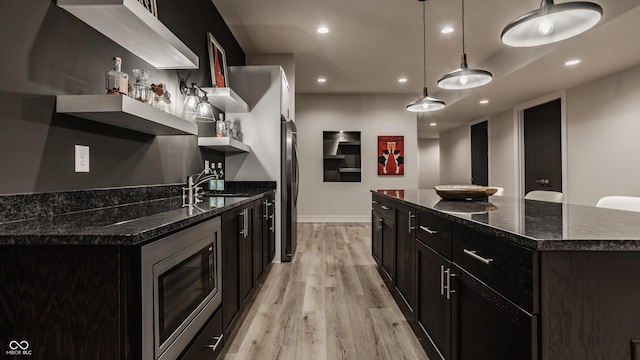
point(473, 254)
point(217, 339)
point(432, 232)
point(442, 280)
point(449, 290)
point(374, 202)
point(273, 223)
point(384, 207)
point(411, 217)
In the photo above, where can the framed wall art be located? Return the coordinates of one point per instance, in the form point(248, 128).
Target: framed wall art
point(218, 62)
point(150, 5)
point(390, 155)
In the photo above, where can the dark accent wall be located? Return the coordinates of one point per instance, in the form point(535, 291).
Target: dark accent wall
point(48, 52)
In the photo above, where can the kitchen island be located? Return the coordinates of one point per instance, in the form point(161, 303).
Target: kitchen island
point(72, 283)
point(508, 278)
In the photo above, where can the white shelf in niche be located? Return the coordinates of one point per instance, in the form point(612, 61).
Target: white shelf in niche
point(224, 144)
point(124, 112)
point(132, 26)
point(226, 100)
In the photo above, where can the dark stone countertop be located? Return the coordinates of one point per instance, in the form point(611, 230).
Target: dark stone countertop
point(129, 224)
point(537, 225)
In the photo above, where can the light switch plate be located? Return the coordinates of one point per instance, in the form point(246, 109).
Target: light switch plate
point(82, 158)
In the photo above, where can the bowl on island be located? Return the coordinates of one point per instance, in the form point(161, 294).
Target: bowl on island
point(464, 192)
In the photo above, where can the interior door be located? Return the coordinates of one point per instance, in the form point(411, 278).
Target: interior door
point(480, 153)
point(543, 147)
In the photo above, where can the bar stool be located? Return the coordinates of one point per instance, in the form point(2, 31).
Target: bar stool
point(545, 195)
point(628, 203)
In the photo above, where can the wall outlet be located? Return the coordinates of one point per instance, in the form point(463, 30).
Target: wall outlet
point(82, 158)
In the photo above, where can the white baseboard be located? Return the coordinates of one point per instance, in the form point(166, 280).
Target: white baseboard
point(332, 218)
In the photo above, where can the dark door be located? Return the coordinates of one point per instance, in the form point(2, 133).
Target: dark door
point(260, 214)
point(405, 257)
point(486, 326)
point(543, 147)
point(230, 269)
point(376, 236)
point(246, 252)
point(433, 309)
point(480, 154)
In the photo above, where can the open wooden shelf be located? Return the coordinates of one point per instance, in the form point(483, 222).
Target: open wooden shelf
point(226, 100)
point(133, 27)
point(224, 144)
point(124, 112)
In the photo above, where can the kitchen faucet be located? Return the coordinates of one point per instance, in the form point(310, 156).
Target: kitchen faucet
point(190, 193)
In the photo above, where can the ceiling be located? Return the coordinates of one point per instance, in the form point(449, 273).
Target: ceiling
point(372, 43)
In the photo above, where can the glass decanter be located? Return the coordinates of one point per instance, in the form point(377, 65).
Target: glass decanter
point(141, 90)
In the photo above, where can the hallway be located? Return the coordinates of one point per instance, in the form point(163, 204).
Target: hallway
point(329, 303)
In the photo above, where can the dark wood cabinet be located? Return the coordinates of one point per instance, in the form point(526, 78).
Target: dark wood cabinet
point(266, 235)
point(376, 236)
point(246, 240)
point(433, 301)
point(388, 249)
point(405, 258)
point(208, 345)
point(487, 326)
point(231, 300)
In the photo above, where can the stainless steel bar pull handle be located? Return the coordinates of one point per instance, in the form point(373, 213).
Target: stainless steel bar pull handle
point(273, 223)
point(380, 224)
point(442, 280)
point(473, 254)
point(411, 217)
point(374, 202)
point(384, 207)
point(432, 232)
point(218, 340)
point(449, 290)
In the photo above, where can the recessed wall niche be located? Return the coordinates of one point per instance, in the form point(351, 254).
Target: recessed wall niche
point(341, 151)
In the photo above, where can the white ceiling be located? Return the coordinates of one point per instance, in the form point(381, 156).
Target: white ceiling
point(372, 43)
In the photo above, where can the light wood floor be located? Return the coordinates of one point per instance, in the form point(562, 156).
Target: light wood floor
point(329, 303)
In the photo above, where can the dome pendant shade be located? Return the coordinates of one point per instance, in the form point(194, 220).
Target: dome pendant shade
point(426, 103)
point(551, 23)
point(464, 78)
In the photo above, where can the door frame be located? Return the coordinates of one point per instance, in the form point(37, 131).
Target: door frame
point(519, 125)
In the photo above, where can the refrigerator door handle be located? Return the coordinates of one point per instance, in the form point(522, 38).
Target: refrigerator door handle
point(297, 170)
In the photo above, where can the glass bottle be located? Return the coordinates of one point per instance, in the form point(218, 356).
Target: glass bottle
point(220, 126)
point(141, 90)
point(220, 179)
point(116, 81)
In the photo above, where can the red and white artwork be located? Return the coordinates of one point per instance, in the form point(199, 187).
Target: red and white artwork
point(390, 155)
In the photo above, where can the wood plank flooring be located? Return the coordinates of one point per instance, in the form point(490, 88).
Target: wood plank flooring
point(329, 303)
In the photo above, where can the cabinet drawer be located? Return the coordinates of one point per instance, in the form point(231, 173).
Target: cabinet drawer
point(209, 342)
point(434, 231)
point(384, 207)
point(505, 267)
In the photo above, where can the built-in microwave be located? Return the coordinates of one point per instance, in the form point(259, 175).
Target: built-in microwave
point(181, 288)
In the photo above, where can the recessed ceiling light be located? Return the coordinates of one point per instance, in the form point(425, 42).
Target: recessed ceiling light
point(484, 102)
point(402, 80)
point(447, 30)
point(433, 124)
point(323, 29)
point(322, 80)
point(572, 62)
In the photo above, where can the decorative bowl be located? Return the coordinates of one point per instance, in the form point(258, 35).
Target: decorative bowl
point(465, 207)
point(464, 192)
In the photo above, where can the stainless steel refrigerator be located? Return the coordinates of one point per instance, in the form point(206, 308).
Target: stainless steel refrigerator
point(290, 185)
point(268, 128)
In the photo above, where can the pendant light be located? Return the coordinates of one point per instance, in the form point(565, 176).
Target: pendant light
point(463, 77)
point(426, 103)
point(551, 23)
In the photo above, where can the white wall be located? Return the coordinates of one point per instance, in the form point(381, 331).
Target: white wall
point(603, 136)
point(603, 127)
point(371, 114)
point(455, 156)
point(428, 163)
point(503, 152)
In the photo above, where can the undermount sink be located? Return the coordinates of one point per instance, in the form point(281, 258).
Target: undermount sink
point(225, 194)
